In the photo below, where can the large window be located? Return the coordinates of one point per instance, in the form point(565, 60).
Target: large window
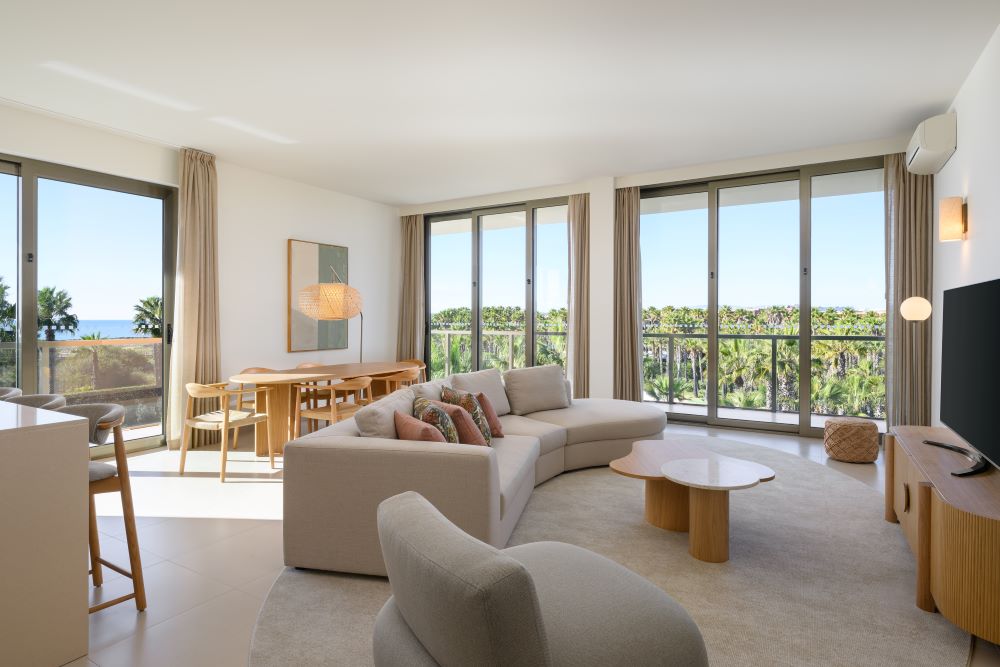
point(497, 290)
point(85, 272)
point(748, 281)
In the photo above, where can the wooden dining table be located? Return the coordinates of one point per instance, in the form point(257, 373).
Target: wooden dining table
point(280, 406)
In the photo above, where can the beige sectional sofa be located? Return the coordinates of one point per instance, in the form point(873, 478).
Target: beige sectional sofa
point(335, 478)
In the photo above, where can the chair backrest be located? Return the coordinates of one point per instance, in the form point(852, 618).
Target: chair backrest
point(103, 418)
point(354, 384)
point(196, 390)
point(466, 602)
point(42, 401)
point(409, 375)
point(9, 392)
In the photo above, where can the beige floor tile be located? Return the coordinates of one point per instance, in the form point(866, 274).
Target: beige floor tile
point(214, 634)
point(172, 537)
point(170, 590)
point(114, 526)
point(239, 559)
point(116, 551)
point(261, 586)
point(81, 662)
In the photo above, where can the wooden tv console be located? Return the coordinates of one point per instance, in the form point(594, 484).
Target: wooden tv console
point(952, 525)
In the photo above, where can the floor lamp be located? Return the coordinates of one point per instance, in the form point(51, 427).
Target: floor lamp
point(333, 301)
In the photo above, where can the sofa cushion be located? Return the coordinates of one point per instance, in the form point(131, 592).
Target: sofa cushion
point(431, 390)
point(409, 427)
point(378, 420)
point(590, 419)
point(516, 456)
point(435, 415)
point(470, 404)
point(550, 436)
point(489, 382)
point(496, 427)
point(468, 432)
point(537, 388)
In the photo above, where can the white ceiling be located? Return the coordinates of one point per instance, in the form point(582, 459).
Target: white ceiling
point(408, 101)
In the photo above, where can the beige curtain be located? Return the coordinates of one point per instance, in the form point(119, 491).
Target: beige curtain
point(579, 294)
point(628, 297)
point(410, 334)
point(909, 201)
point(194, 356)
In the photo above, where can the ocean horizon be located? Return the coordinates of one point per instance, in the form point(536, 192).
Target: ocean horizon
point(107, 329)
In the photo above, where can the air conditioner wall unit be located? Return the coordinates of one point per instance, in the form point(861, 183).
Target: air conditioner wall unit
point(932, 144)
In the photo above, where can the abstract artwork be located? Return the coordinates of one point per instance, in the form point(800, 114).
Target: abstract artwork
point(310, 263)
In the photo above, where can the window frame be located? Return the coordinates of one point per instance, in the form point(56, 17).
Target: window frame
point(29, 172)
point(475, 215)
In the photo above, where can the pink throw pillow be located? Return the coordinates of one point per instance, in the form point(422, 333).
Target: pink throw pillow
point(468, 432)
point(411, 428)
point(496, 428)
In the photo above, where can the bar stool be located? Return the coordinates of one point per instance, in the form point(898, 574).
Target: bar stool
point(40, 401)
point(105, 419)
point(358, 389)
point(7, 393)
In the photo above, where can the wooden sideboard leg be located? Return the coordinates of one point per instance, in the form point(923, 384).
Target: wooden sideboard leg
point(924, 598)
point(889, 455)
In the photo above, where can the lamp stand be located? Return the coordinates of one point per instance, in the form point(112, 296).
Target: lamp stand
point(361, 340)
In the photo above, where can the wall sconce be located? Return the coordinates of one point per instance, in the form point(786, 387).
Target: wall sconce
point(915, 309)
point(953, 219)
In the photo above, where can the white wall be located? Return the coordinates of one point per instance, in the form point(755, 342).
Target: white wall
point(972, 172)
point(257, 214)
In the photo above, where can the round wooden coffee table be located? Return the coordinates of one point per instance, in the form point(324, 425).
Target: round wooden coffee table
point(687, 489)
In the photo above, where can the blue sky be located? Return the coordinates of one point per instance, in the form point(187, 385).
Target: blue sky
point(758, 258)
point(103, 247)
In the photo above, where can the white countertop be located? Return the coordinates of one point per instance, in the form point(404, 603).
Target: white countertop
point(16, 417)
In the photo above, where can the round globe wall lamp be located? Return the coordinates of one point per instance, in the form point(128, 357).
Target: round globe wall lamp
point(915, 309)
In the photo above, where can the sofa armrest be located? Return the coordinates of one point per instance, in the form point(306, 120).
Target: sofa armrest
point(333, 486)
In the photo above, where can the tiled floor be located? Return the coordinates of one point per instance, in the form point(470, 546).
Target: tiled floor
point(211, 551)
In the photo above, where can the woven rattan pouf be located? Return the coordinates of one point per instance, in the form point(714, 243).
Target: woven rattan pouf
point(851, 439)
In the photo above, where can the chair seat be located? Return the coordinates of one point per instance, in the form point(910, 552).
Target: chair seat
point(344, 410)
point(99, 471)
point(212, 421)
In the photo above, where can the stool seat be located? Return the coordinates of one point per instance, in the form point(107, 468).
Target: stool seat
point(99, 471)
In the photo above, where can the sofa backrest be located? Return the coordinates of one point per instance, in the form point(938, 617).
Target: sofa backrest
point(466, 602)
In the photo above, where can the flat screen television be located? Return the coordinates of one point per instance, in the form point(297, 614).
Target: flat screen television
point(970, 366)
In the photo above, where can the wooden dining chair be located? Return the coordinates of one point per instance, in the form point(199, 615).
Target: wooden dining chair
point(40, 401)
point(318, 391)
point(419, 363)
point(400, 379)
point(223, 419)
point(106, 419)
point(348, 397)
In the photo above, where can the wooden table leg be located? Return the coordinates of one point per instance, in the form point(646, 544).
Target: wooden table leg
point(709, 536)
point(279, 420)
point(667, 504)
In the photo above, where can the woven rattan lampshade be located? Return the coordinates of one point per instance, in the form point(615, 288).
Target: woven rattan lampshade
point(330, 301)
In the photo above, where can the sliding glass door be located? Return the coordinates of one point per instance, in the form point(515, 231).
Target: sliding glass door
point(9, 192)
point(91, 259)
point(764, 297)
point(497, 288)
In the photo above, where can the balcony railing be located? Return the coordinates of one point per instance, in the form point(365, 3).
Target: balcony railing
point(451, 349)
point(759, 377)
point(127, 371)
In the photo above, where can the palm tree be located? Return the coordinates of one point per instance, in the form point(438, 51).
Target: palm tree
point(8, 314)
point(148, 318)
point(95, 360)
point(53, 312)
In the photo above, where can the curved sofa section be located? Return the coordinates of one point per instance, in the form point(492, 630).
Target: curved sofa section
point(334, 479)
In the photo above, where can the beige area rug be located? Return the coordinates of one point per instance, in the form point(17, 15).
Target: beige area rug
point(815, 577)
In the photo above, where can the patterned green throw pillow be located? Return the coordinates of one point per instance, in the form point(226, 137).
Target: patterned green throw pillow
point(431, 414)
point(471, 405)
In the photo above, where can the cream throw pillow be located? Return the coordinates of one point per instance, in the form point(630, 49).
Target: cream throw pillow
point(535, 389)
